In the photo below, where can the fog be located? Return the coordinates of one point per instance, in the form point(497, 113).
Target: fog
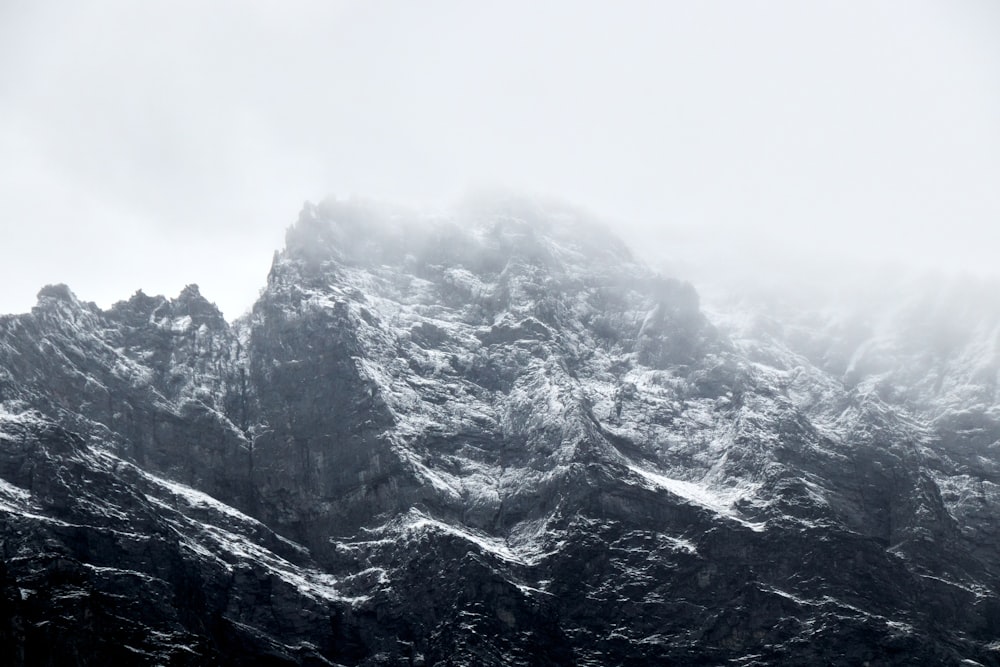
point(154, 144)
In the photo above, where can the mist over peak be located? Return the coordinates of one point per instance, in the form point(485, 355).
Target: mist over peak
point(484, 231)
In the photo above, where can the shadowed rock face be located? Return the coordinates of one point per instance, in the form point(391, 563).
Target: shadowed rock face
point(490, 440)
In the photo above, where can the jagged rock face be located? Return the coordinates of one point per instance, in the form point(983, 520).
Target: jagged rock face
point(495, 439)
point(149, 377)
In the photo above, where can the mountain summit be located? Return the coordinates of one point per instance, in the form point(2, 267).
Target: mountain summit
point(494, 438)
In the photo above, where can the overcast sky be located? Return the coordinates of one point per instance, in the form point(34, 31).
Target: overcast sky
point(153, 144)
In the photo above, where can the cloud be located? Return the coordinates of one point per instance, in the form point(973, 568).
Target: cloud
point(192, 132)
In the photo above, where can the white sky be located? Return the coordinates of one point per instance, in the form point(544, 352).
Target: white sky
point(153, 144)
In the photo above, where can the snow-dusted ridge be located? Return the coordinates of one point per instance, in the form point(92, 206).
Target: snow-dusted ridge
point(474, 439)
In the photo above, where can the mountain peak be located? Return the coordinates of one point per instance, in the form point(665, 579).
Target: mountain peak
point(485, 236)
point(191, 303)
point(60, 301)
point(59, 292)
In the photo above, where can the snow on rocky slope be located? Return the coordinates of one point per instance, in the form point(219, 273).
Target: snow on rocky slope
point(490, 438)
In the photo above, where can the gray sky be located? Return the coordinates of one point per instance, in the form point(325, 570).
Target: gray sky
point(152, 144)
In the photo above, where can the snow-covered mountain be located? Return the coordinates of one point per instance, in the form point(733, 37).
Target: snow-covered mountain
point(495, 438)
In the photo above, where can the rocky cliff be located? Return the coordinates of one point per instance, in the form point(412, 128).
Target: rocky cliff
point(488, 439)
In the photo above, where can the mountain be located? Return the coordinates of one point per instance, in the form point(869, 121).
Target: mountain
point(493, 438)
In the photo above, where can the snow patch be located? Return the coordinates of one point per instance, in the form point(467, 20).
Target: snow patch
point(421, 522)
point(681, 544)
point(526, 551)
point(181, 324)
point(717, 500)
point(14, 493)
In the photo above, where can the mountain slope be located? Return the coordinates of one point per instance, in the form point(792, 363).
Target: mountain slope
point(488, 439)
